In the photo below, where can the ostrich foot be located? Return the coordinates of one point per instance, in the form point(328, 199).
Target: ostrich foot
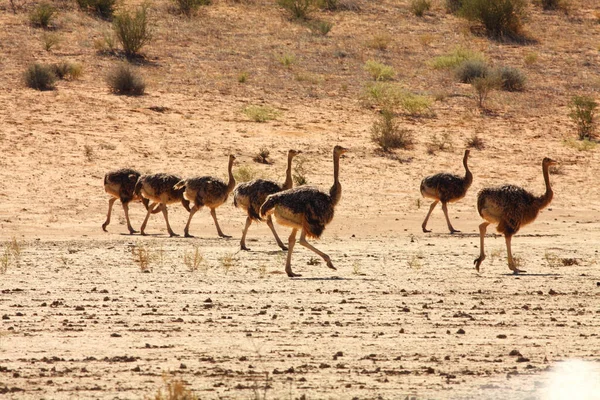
point(283, 248)
point(292, 275)
point(425, 230)
point(132, 231)
point(224, 236)
point(517, 271)
point(477, 263)
point(243, 247)
point(330, 265)
point(104, 227)
point(454, 231)
point(187, 235)
point(173, 234)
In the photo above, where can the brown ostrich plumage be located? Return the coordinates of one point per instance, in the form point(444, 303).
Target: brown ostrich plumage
point(510, 207)
point(306, 209)
point(207, 191)
point(446, 188)
point(120, 184)
point(251, 195)
point(158, 188)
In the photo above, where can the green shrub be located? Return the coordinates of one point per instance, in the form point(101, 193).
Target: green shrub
point(415, 105)
point(379, 71)
point(386, 133)
point(380, 41)
point(42, 15)
point(50, 40)
point(286, 59)
point(418, 7)
point(104, 9)
point(132, 30)
point(471, 69)
point(500, 18)
point(67, 70)
point(319, 27)
point(39, 76)
point(511, 79)
point(455, 58)
point(483, 86)
point(260, 113)
point(188, 7)
point(453, 6)
point(125, 80)
point(298, 9)
point(583, 110)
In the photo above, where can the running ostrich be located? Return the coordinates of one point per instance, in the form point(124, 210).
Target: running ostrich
point(510, 207)
point(251, 195)
point(307, 209)
point(158, 188)
point(120, 184)
point(446, 188)
point(207, 191)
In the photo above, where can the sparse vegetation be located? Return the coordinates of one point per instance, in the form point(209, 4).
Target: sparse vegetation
point(42, 15)
point(388, 96)
point(550, 5)
point(511, 79)
point(125, 80)
point(415, 105)
point(67, 70)
point(228, 261)
point(101, 8)
point(483, 86)
point(193, 260)
point(453, 6)
point(10, 253)
point(40, 77)
point(298, 9)
point(581, 145)
point(262, 156)
point(443, 143)
point(469, 70)
point(502, 19)
point(380, 41)
point(455, 58)
point(475, 142)
point(89, 153)
point(132, 30)
point(142, 256)
point(418, 7)
point(188, 7)
point(415, 261)
point(583, 110)
point(242, 77)
point(287, 60)
point(106, 44)
point(388, 135)
point(319, 27)
point(245, 173)
point(50, 40)
point(175, 390)
point(379, 71)
point(299, 173)
point(531, 58)
point(260, 113)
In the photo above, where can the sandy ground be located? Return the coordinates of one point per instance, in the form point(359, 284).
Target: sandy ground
point(404, 316)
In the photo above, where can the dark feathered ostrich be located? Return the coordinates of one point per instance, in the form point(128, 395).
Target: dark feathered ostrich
point(158, 188)
point(511, 207)
point(120, 184)
point(251, 195)
point(307, 209)
point(446, 188)
point(207, 191)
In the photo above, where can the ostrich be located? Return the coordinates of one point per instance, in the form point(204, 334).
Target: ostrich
point(251, 195)
point(207, 191)
point(446, 188)
point(510, 207)
point(120, 184)
point(159, 189)
point(307, 209)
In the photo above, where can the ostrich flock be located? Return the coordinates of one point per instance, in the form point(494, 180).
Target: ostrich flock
point(308, 209)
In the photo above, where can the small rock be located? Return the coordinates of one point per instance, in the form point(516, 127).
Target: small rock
point(515, 353)
point(501, 336)
point(522, 359)
point(552, 292)
point(115, 335)
point(208, 300)
point(461, 331)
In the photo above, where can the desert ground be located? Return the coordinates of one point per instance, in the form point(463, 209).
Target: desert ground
point(108, 315)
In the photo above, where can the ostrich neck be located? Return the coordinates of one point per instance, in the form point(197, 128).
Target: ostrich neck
point(468, 174)
point(546, 198)
point(231, 183)
point(336, 190)
point(288, 175)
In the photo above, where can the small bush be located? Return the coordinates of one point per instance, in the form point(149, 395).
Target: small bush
point(415, 105)
point(106, 44)
point(581, 145)
point(298, 9)
point(300, 171)
point(549, 5)
point(502, 19)
point(583, 110)
point(242, 77)
point(339, 5)
point(42, 15)
point(453, 6)
point(511, 79)
point(287, 60)
point(67, 70)
point(379, 71)
point(455, 58)
point(39, 76)
point(50, 40)
point(175, 390)
point(262, 156)
point(132, 30)
point(193, 260)
point(125, 80)
point(386, 133)
point(483, 86)
point(418, 7)
point(475, 142)
point(104, 9)
point(188, 7)
point(319, 27)
point(380, 41)
point(471, 69)
point(531, 58)
point(245, 173)
point(260, 113)
point(440, 144)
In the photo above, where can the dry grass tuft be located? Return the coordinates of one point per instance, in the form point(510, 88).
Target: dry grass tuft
point(142, 256)
point(193, 260)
